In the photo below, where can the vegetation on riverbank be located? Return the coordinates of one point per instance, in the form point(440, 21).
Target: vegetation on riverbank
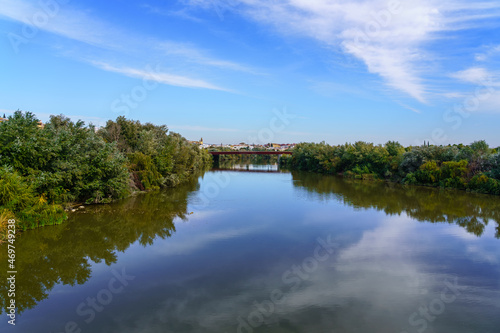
point(43, 170)
point(475, 167)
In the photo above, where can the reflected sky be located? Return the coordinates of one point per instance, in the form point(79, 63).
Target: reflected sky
point(313, 253)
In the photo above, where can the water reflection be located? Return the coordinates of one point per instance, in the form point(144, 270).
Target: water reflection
point(62, 254)
point(236, 251)
point(468, 210)
point(247, 167)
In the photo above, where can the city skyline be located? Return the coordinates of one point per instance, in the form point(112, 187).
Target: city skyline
point(256, 71)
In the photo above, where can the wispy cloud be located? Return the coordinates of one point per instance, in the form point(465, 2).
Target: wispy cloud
point(476, 75)
point(190, 53)
point(391, 40)
point(410, 108)
point(486, 89)
point(80, 26)
point(160, 77)
point(182, 13)
point(487, 53)
point(66, 22)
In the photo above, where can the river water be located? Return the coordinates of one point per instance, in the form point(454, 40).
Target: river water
point(254, 249)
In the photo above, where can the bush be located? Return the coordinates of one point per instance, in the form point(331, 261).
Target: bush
point(446, 166)
point(66, 162)
point(155, 157)
point(428, 173)
point(18, 200)
point(483, 184)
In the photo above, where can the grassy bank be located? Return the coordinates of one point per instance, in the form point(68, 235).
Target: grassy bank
point(45, 169)
point(475, 167)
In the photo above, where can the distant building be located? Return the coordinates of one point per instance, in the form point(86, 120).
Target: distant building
point(3, 119)
point(197, 142)
point(239, 146)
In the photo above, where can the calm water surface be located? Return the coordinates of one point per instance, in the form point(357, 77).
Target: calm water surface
point(257, 250)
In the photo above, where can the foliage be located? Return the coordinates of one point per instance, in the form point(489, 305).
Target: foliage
point(484, 184)
point(65, 254)
point(155, 157)
point(475, 167)
point(19, 201)
point(66, 162)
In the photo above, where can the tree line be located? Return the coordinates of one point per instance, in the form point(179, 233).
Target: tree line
point(46, 169)
point(474, 167)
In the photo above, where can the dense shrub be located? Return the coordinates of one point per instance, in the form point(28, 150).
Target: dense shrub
point(156, 158)
point(484, 184)
point(66, 162)
point(19, 201)
point(475, 167)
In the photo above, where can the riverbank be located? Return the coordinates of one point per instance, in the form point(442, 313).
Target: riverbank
point(395, 240)
point(475, 167)
point(45, 169)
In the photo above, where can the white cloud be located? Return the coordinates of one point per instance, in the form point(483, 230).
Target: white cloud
point(80, 26)
point(490, 51)
point(161, 77)
point(61, 20)
point(183, 13)
point(475, 75)
point(389, 37)
point(491, 104)
point(410, 108)
point(193, 54)
point(485, 97)
point(453, 94)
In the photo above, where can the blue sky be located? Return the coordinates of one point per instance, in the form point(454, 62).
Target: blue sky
point(259, 71)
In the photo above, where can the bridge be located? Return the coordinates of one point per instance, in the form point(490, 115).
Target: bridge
point(216, 153)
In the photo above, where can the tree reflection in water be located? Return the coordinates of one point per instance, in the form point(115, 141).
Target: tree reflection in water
point(62, 254)
point(468, 210)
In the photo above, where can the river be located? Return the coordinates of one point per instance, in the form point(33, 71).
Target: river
point(256, 249)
